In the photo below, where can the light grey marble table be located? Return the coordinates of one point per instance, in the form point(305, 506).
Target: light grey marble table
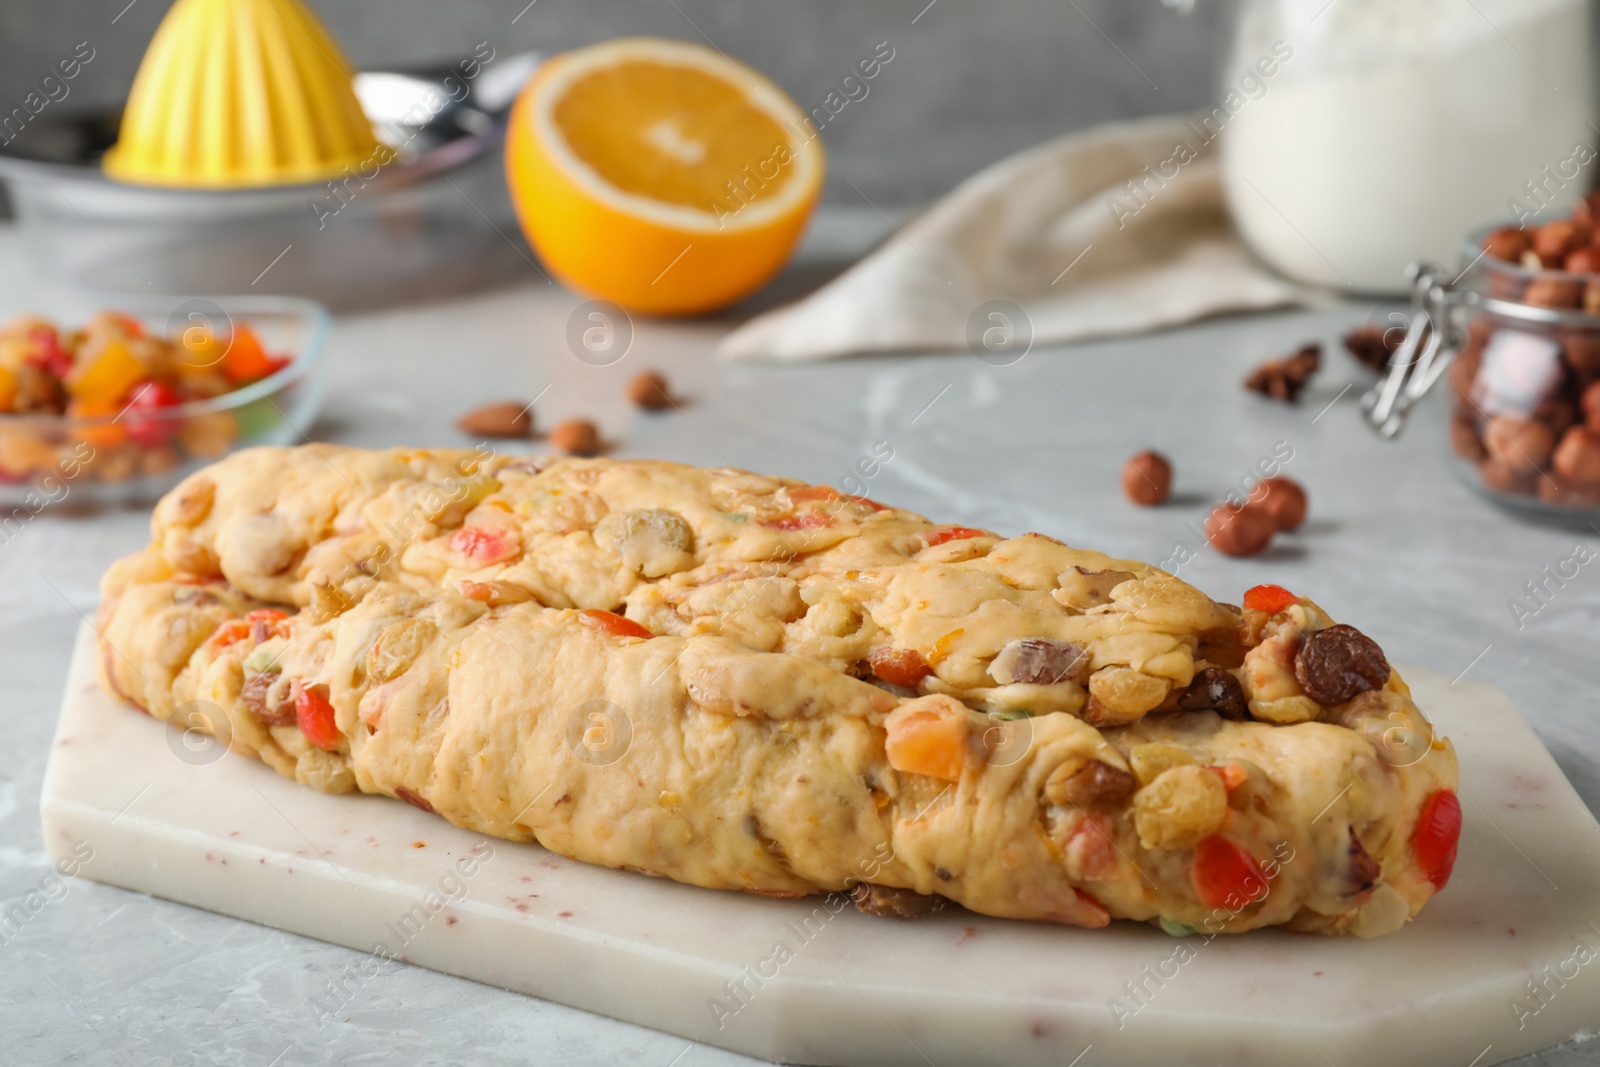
point(103, 976)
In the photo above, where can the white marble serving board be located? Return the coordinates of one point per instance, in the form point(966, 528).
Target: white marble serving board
point(128, 803)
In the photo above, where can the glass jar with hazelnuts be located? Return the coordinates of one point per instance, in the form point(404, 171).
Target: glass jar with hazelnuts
point(1516, 335)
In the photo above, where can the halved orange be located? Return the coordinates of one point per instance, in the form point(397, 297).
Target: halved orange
point(660, 175)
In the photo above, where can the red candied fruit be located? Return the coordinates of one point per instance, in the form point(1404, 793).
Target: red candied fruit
point(314, 715)
point(1269, 598)
point(1438, 832)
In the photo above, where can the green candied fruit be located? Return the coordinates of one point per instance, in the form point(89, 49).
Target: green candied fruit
point(1174, 927)
point(258, 418)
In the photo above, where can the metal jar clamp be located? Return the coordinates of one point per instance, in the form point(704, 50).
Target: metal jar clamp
point(1438, 331)
point(1433, 337)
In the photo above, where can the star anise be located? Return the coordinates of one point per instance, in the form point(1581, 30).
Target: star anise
point(1373, 345)
point(1282, 379)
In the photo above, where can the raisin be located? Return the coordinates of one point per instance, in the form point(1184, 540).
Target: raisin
point(1092, 782)
point(1339, 664)
point(890, 902)
point(254, 697)
point(1215, 689)
point(1365, 872)
point(1041, 661)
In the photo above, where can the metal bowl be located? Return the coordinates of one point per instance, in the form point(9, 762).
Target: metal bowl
point(431, 218)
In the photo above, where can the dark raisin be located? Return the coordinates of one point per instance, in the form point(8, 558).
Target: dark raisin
point(254, 697)
point(1339, 664)
point(1214, 689)
point(1364, 870)
point(1093, 782)
point(1040, 661)
point(889, 902)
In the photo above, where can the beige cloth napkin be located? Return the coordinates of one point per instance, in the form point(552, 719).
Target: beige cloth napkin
point(1040, 230)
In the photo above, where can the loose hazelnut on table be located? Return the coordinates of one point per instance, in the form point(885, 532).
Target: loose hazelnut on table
point(576, 437)
point(1284, 499)
point(1147, 478)
point(1239, 531)
point(649, 390)
point(504, 418)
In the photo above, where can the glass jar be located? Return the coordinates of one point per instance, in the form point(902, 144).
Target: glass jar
point(1358, 136)
point(1519, 350)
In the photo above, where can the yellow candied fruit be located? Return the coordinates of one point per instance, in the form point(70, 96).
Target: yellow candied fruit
point(669, 799)
point(941, 648)
point(106, 375)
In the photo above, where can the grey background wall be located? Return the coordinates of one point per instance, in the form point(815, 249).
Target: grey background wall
point(969, 82)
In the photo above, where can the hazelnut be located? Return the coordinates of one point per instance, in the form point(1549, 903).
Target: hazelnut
point(576, 437)
point(649, 390)
point(1558, 413)
point(1587, 211)
point(1147, 478)
point(1548, 291)
point(1577, 457)
point(1464, 439)
point(1580, 350)
point(1585, 260)
point(1519, 443)
point(1591, 407)
point(1507, 243)
point(1239, 531)
point(1284, 499)
point(1554, 240)
point(1591, 297)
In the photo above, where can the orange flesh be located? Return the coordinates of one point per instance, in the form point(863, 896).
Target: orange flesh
point(674, 134)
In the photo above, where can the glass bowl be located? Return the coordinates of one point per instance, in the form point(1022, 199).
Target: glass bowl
point(45, 458)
